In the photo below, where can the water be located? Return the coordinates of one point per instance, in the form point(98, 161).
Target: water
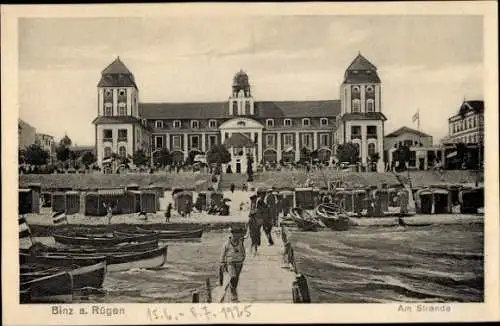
point(421, 264)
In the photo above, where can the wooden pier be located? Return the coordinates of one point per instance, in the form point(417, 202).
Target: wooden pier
point(270, 276)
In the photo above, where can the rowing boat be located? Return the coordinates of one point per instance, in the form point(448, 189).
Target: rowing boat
point(56, 287)
point(83, 277)
point(120, 261)
point(332, 218)
point(304, 220)
point(122, 247)
point(169, 234)
point(102, 241)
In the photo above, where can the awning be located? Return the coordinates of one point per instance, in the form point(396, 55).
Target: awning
point(452, 154)
point(110, 192)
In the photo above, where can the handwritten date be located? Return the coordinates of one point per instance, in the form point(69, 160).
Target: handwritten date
point(201, 312)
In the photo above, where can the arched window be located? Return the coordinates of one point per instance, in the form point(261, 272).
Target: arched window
point(356, 107)
point(371, 149)
point(122, 109)
point(107, 152)
point(370, 107)
point(235, 108)
point(122, 151)
point(247, 108)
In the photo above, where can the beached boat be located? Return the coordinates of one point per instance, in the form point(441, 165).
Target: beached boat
point(122, 247)
point(304, 220)
point(102, 240)
point(120, 261)
point(60, 259)
point(54, 288)
point(83, 277)
point(332, 218)
point(172, 234)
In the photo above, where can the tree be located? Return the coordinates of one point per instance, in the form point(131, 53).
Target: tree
point(35, 155)
point(87, 159)
point(219, 155)
point(62, 153)
point(139, 158)
point(163, 157)
point(348, 152)
point(65, 141)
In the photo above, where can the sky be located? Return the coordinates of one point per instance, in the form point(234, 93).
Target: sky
point(426, 63)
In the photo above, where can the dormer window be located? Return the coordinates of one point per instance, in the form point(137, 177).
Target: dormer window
point(323, 122)
point(195, 124)
point(270, 123)
point(159, 124)
point(288, 122)
point(177, 123)
point(306, 122)
point(212, 123)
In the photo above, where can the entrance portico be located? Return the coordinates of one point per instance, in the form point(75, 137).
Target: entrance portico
point(243, 128)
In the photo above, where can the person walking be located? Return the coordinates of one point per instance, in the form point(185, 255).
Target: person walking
point(109, 211)
point(232, 188)
point(268, 217)
point(168, 213)
point(232, 258)
point(403, 202)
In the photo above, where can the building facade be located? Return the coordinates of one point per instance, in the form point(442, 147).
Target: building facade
point(408, 137)
point(267, 131)
point(26, 134)
point(47, 143)
point(467, 126)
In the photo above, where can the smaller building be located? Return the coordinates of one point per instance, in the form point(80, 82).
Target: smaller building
point(467, 126)
point(26, 134)
point(408, 137)
point(421, 157)
point(47, 143)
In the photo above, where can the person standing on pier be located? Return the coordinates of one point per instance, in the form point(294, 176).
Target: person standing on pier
point(168, 213)
point(269, 204)
point(232, 258)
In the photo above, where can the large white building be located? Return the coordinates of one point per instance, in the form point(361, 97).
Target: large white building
point(268, 131)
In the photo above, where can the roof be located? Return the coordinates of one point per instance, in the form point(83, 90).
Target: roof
point(238, 140)
point(361, 71)
point(116, 67)
point(364, 116)
point(471, 106)
point(116, 74)
point(361, 63)
point(217, 110)
point(406, 130)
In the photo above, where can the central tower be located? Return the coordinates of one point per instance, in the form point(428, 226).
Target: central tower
point(241, 102)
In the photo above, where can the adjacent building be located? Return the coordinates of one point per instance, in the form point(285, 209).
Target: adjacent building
point(467, 125)
point(266, 131)
point(47, 143)
point(26, 134)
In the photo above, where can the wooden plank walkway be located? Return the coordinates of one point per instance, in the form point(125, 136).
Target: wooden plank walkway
point(266, 277)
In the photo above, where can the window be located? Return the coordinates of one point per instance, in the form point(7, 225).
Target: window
point(107, 134)
point(122, 134)
point(176, 142)
point(288, 122)
point(122, 151)
point(235, 108)
point(108, 92)
point(409, 143)
point(195, 124)
point(355, 89)
point(122, 109)
point(324, 140)
point(107, 152)
point(121, 92)
point(356, 107)
point(177, 123)
point(159, 124)
point(195, 141)
point(323, 122)
point(355, 131)
point(270, 123)
point(371, 149)
point(306, 122)
point(369, 89)
point(474, 122)
point(247, 107)
point(288, 139)
point(212, 141)
point(371, 131)
point(158, 141)
point(237, 151)
point(269, 140)
point(108, 110)
point(212, 123)
point(454, 128)
point(370, 107)
point(356, 146)
point(306, 141)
